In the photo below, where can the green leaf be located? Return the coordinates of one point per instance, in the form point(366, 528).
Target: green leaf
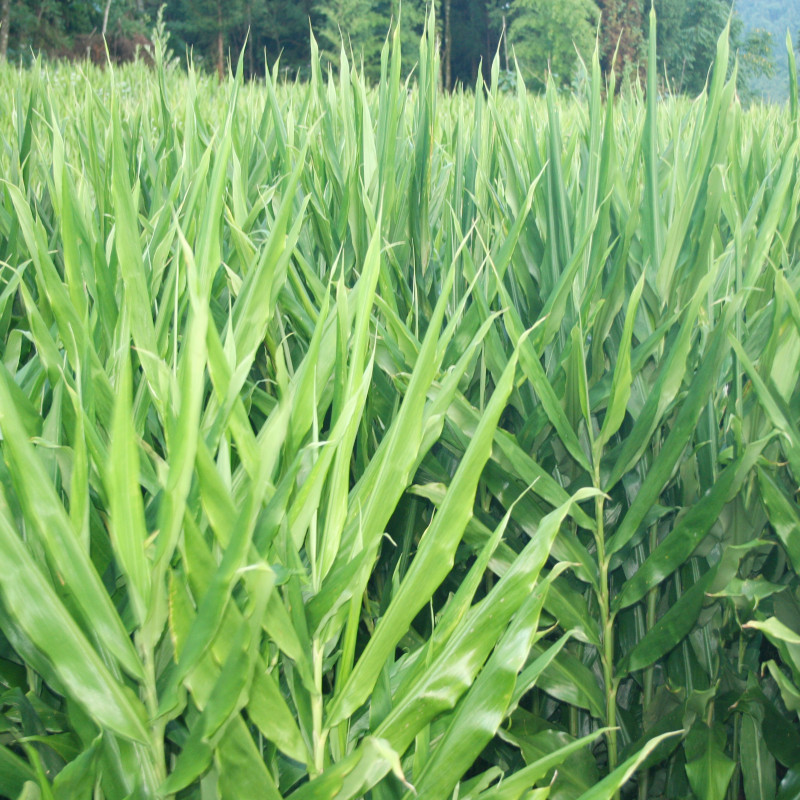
point(689, 531)
point(783, 516)
point(534, 372)
point(128, 530)
point(485, 705)
point(774, 629)
point(78, 778)
point(241, 765)
point(773, 405)
point(758, 765)
point(529, 677)
point(569, 680)
point(14, 772)
point(616, 779)
point(682, 616)
point(54, 632)
point(789, 788)
point(48, 518)
point(432, 562)
point(571, 610)
point(789, 692)
point(707, 766)
point(621, 382)
point(651, 161)
point(703, 383)
point(513, 787)
point(431, 687)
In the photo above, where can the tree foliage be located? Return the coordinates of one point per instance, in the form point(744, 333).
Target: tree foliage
point(374, 444)
point(776, 17)
point(687, 33)
point(544, 36)
point(622, 34)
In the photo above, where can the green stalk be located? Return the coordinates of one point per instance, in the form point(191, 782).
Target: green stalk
point(652, 600)
point(650, 621)
point(607, 620)
point(319, 736)
point(736, 778)
point(150, 692)
point(347, 659)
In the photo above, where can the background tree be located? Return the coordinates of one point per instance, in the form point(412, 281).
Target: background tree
point(278, 28)
point(5, 18)
point(541, 32)
point(546, 34)
point(756, 58)
point(475, 37)
point(208, 24)
point(776, 17)
point(35, 25)
point(621, 33)
point(359, 25)
point(687, 35)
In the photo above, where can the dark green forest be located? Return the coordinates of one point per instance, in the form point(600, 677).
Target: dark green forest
point(541, 35)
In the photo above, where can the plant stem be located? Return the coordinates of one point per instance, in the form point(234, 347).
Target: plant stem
point(607, 619)
point(319, 736)
point(144, 642)
point(650, 621)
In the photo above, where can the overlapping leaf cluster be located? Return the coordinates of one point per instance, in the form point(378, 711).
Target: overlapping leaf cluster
point(365, 442)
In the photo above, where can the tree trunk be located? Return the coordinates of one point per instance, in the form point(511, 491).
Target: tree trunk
point(106, 12)
point(5, 19)
point(220, 44)
point(448, 46)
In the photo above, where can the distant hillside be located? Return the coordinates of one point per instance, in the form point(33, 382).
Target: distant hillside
point(774, 16)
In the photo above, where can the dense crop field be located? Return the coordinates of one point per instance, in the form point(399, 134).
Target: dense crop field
point(367, 442)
